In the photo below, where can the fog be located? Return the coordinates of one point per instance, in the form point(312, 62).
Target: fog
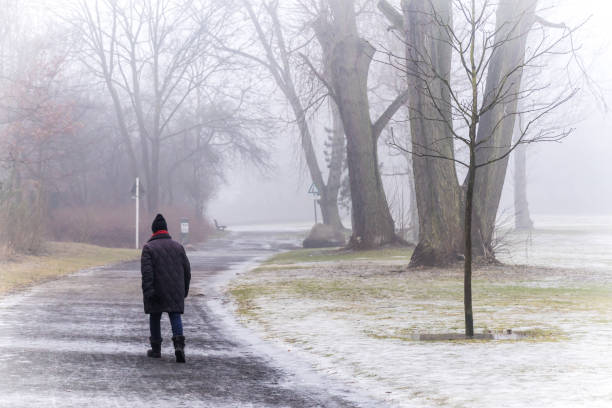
point(278, 196)
point(566, 178)
point(320, 188)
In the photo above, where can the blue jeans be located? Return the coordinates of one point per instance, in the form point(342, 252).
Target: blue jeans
point(175, 321)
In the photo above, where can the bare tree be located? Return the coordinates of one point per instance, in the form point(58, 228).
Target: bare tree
point(351, 56)
point(280, 59)
point(39, 133)
point(482, 103)
point(152, 56)
point(219, 133)
point(407, 212)
point(427, 28)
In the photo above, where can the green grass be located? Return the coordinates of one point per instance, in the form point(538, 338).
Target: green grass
point(423, 291)
point(530, 335)
point(339, 254)
point(61, 258)
point(544, 298)
point(246, 295)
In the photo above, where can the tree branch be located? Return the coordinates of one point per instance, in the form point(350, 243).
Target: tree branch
point(547, 23)
point(319, 76)
point(382, 121)
point(395, 17)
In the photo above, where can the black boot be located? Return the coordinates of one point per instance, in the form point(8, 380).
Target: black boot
point(179, 348)
point(155, 350)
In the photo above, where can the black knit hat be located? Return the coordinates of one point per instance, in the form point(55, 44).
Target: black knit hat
point(159, 223)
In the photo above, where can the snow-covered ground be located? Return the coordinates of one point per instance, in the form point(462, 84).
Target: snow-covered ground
point(563, 242)
point(353, 320)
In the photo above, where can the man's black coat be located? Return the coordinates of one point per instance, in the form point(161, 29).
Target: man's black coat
point(165, 275)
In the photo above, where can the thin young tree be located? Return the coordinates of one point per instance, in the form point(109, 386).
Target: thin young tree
point(487, 95)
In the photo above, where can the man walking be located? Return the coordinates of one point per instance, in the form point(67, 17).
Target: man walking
point(165, 283)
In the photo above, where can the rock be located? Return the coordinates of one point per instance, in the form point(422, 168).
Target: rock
point(324, 236)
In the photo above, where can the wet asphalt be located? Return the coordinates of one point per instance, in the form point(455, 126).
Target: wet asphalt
point(80, 341)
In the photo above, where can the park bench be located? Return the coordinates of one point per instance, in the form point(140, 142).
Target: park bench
point(220, 227)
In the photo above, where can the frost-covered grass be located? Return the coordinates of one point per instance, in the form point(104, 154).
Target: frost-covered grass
point(429, 300)
point(355, 316)
point(60, 258)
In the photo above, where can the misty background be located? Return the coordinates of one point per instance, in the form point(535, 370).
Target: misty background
point(567, 178)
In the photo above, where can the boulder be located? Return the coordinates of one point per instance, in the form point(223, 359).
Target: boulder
point(324, 236)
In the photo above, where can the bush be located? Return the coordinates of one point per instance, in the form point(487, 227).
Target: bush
point(22, 223)
point(114, 226)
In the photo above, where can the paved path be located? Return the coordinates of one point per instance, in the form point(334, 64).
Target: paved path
point(80, 342)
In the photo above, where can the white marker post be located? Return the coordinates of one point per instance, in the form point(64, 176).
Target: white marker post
point(137, 196)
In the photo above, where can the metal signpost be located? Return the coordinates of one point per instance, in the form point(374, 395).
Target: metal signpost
point(315, 194)
point(136, 190)
point(137, 209)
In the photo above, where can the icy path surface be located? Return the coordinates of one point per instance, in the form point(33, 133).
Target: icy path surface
point(80, 341)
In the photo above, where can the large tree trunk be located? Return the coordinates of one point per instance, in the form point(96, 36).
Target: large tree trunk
point(413, 209)
point(330, 213)
point(372, 222)
point(522, 218)
point(153, 194)
point(514, 20)
point(438, 194)
point(329, 200)
point(329, 193)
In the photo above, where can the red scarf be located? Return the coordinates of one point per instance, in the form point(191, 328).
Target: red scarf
point(160, 232)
